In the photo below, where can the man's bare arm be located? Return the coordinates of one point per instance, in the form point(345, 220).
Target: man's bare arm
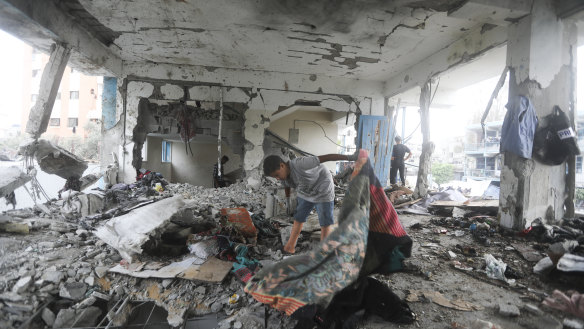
point(409, 155)
point(333, 157)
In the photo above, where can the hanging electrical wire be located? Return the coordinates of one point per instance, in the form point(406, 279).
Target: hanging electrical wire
point(325, 135)
point(431, 100)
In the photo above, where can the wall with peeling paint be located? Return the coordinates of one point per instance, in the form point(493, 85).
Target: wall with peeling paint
point(311, 137)
point(254, 126)
point(529, 189)
point(198, 169)
point(154, 157)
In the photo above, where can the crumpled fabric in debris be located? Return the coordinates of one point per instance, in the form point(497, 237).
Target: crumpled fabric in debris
point(560, 301)
point(368, 294)
point(244, 268)
point(369, 239)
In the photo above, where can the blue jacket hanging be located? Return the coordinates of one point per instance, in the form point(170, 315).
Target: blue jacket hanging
point(519, 127)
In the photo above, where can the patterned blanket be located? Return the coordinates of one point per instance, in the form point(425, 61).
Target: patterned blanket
point(369, 239)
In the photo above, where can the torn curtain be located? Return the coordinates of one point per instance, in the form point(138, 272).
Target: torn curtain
point(369, 239)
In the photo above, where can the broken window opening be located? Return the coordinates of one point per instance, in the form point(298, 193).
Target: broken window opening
point(72, 122)
point(166, 151)
point(74, 94)
point(54, 122)
point(35, 73)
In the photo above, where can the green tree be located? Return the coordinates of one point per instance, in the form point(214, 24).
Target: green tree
point(90, 147)
point(87, 147)
point(442, 172)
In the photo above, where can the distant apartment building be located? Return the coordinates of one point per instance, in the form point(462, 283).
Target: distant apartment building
point(452, 153)
point(78, 99)
point(481, 150)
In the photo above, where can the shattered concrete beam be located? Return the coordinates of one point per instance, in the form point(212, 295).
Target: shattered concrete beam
point(128, 233)
point(277, 81)
point(39, 116)
point(461, 51)
point(56, 160)
point(42, 23)
point(11, 178)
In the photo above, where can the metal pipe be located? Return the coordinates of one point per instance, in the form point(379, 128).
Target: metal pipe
point(219, 132)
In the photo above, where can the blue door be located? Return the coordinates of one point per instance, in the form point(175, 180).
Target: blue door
point(376, 136)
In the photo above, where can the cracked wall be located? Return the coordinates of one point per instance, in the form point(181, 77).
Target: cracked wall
point(530, 189)
point(152, 106)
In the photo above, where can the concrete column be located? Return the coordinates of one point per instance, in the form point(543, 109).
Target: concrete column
point(425, 165)
point(254, 127)
point(108, 102)
point(39, 116)
point(540, 53)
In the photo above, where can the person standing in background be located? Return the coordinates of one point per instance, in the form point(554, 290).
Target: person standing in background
point(398, 161)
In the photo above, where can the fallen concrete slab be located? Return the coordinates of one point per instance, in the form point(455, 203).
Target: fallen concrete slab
point(57, 161)
point(12, 178)
point(129, 232)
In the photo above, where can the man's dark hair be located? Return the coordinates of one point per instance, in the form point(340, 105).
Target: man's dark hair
point(271, 164)
point(224, 158)
point(398, 139)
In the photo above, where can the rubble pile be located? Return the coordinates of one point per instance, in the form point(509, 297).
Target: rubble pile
point(65, 273)
point(526, 262)
point(94, 258)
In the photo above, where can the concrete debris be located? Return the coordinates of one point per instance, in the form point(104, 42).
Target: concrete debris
point(12, 178)
point(75, 205)
point(22, 285)
point(101, 271)
point(482, 324)
point(128, 233)
point(55, 160)
point(509, 310)
point(48, 316)
point(81, 259)
point(73, 290)
point(70, 318)
point(14, 227)
point(53, 276)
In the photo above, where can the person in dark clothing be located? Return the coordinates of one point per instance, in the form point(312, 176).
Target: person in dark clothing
point(219, 180)
point(397, 161)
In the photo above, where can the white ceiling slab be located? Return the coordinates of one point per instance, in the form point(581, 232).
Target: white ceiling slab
point(358, 39)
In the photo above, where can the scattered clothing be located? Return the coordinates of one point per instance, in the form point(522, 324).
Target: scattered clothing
point(369, 239)
point(560, 301)
point(519, 127)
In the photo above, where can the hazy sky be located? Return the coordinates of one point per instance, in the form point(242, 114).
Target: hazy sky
point(12, 67)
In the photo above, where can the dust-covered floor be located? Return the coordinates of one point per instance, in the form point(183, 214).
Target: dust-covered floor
point(58, 274)
point(431, 269)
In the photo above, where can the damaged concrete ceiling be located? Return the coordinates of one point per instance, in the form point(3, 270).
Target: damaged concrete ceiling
point(362, 39)
point(365, 39)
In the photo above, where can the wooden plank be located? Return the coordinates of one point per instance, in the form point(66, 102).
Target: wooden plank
point(471, 204)
point(401, 205)
point(213, 270)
